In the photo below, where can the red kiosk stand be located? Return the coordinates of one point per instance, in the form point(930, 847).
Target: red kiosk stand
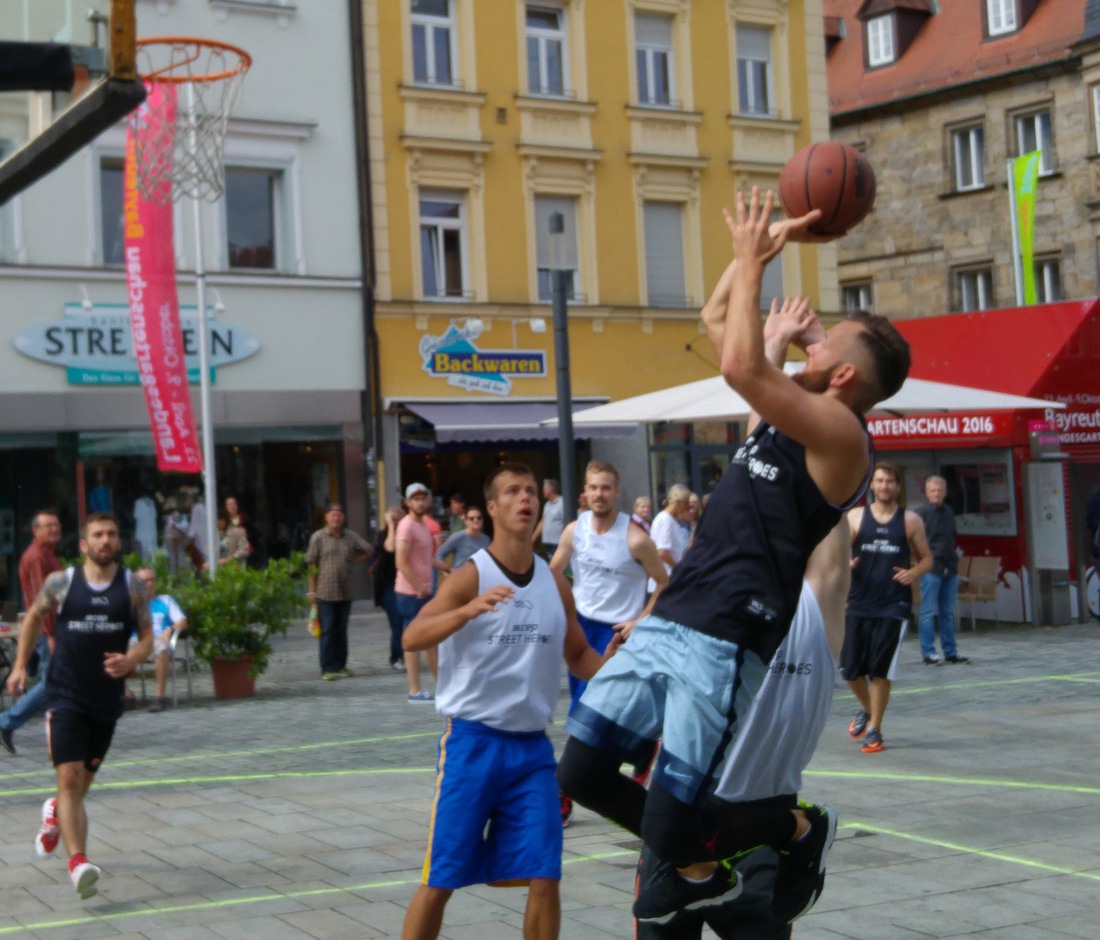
point(1019, 481)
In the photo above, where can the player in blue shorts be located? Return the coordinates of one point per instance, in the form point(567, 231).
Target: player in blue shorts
point(503, 621)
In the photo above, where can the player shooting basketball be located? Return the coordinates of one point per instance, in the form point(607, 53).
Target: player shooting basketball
point(689, 670)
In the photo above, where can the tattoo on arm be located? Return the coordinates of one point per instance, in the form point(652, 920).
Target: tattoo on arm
point(140, 599)
point(52, 594)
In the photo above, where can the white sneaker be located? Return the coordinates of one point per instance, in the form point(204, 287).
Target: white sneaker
point(84, 878)
point(46, 840)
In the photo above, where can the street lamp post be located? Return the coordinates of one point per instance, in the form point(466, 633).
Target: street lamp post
point(559, 278)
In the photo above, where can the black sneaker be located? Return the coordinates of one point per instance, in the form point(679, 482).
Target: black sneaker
point(665, 893)
point(6, 740)
point(956, 658)
point(801, 874)
point(932, 660)
point(859, 723)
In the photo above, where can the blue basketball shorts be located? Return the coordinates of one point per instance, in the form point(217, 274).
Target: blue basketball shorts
point(496, 816)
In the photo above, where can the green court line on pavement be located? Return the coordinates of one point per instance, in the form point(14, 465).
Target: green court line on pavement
point(226, 778)
point(255, 899)
point(286, 748)
point(973, 850)
point(960, 781)
point(1025, 680)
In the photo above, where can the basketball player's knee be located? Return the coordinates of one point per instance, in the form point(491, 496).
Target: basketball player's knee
point(580, 772)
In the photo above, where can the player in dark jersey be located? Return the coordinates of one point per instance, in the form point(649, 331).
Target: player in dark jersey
point(98, 607)
point(889, 553)
point(691, 668)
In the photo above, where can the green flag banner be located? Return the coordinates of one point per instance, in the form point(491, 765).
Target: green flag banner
point(1025, 176)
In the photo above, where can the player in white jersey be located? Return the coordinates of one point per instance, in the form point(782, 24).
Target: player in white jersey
point(502, 622)
point(792, 707)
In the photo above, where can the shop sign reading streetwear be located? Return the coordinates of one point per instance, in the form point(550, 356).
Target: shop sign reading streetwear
point(96, 347)
point(455, 357)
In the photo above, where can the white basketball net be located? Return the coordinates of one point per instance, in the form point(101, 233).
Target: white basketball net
point(184, 156)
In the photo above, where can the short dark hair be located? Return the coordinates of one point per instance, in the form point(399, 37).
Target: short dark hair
point(889, 352)
point(98, 517)
point(519, 469)
point(886, 467)
point(457, 498)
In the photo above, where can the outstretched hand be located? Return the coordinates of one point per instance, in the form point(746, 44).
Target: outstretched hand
point(793, 322)
point(756, 237)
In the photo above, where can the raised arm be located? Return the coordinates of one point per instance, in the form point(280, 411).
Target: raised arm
point(837, 455)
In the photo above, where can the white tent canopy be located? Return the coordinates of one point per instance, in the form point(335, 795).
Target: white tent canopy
point(713, 400)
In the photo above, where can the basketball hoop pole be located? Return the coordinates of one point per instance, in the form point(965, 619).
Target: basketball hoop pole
point(209, 467)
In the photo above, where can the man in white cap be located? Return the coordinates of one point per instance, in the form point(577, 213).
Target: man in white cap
point(413, 585)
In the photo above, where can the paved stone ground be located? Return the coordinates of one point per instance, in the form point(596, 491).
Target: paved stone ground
point(301, 813)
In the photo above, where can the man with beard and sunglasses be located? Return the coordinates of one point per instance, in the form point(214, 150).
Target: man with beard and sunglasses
point(98, 606)
point(695, 665)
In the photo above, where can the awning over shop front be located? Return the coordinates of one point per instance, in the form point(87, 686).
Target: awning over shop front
point(504, 421)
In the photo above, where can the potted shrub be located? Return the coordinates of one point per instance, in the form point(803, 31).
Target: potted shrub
point(233, 616)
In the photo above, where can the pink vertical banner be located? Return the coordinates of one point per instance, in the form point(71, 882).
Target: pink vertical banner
point(151, 286)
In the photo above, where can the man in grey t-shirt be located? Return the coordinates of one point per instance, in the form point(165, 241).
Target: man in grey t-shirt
point(553, 519)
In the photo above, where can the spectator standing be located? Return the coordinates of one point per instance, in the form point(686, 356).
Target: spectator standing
point(414, 550)
point(457, 520)
point(38, 562)
point(333, 551)
point(553, 519)
point(671, 531)
point(232, 541)
point(462, 545)
point(939, 588)
point(168, 622)
point(384, 571)
point(642, 513)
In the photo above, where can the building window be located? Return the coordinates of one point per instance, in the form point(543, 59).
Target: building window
point(1048, 280)
point(974, 289)
point(442, 246)
point(1095, 92)
point(664, 254)
point(754, 70)
point(251, 216)
point(111, 216)
point(546, 206)
point(1034, 132)
point(855, 297)
point(880, 40)
point(968, 149)
point(432, 42)
point(1001, 16)
point(771, 285)
point(653, 51)
point(546, 63)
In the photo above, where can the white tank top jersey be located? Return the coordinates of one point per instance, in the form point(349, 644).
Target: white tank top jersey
point(608, 584)
point(503, 669)
point(780, 733)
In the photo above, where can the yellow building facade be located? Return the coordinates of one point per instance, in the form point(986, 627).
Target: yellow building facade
point(634, 122)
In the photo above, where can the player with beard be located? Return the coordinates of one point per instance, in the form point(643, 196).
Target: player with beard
point(696, 664)
point(503, 622)
point(98, 606)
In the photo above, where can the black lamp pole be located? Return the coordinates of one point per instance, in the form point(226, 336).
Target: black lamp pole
point(559, 279)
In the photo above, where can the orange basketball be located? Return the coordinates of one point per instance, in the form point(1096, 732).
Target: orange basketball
point(832, 177)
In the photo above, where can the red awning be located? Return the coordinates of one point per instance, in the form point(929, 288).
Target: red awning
point(1022, 350)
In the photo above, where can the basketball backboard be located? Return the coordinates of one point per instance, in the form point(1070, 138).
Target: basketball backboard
point(67, 72)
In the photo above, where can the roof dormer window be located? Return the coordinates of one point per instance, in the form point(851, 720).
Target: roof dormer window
point(880, 40)
point(1001, 17)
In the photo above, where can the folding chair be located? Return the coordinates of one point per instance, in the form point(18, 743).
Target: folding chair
point(980, 585)
point(180, 652)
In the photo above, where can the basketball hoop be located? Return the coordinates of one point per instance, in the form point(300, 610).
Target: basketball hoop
point(192, 165)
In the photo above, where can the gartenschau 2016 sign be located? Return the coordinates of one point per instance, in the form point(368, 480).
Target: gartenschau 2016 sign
point(95, 346)
point(455, 357)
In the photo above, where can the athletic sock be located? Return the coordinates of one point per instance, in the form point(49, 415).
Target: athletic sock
point(79, 859)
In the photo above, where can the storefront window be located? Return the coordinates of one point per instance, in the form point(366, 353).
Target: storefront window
point(980, 487)
point(693, 454)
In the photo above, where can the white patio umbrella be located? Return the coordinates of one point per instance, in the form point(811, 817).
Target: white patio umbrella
point(713, 400)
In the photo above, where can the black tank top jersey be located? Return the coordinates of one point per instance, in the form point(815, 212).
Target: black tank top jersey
point(90, 624)
point(741, 578)
point(881, 547)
